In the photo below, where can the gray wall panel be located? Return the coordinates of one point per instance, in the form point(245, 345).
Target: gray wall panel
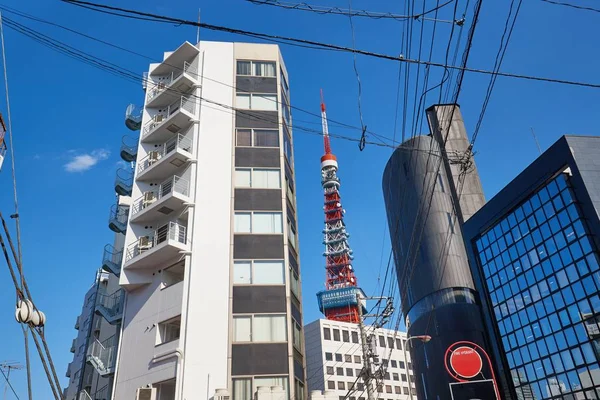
point(258, 199)
point(258, 246)
point(257, 157)
point(256, 84)
point(259, 359)
point(256, 119)
point(259, 299)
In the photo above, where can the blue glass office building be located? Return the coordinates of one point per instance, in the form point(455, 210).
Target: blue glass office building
point(533, 250)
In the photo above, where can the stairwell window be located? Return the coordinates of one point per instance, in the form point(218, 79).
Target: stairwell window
point(258, 178)
point(257, 137)
point(258, 272)
point(258, 102)
point(259, 328)
point(256, 68)
point(169, 330)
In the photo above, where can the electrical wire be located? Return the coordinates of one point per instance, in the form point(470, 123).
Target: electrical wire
point(326, 46)
point(575, 6)
point(9, 384)
point(361, 144)
point(339, 11)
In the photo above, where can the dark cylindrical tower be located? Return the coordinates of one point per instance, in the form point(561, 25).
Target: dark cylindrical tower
point(436, 286)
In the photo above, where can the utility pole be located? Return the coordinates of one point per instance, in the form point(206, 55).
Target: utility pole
point(8, 366)
point(367, 372)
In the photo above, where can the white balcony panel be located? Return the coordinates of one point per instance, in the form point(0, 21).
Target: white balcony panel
point(159, 255)
point(173, 86)
point(185, 52)
point(175, 117)
point(166, 160)
point(169, 205)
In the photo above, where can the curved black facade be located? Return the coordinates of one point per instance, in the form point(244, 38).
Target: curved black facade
point(436, 286)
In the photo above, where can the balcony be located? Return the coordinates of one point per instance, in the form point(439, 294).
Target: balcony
point(73, 346)
point(110, 306)
point(102, 355)
point(166, 243)
point(83, 395)
point(133, 117)
point(77, 323)
point(166, 159)
point(170, 119)
point(171, 196)
point(129, 147)
point(117, 219)
point(97, 324)
point(68, 374)
point(124, 182)
point(111, 260)
point(2, 153)
point(164, 89)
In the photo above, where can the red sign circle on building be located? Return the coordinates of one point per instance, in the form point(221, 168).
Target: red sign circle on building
point(466, 362)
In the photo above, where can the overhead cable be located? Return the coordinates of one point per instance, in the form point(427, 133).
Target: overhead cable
point(319, 45)
point(575, 6)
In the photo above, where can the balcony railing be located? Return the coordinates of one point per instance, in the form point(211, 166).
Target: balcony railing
point(84, 395)
point(102, 355)
point(110, 305)
point(124, 182)
point(111, 260)
point(175, 184)
point(133, 117)
point(169, 231)
point(180, 142)
point(117, 219)
point(167, 80)
point(186, 103)
point(129, 146)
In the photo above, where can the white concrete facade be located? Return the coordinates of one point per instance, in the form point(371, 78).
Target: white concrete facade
point(177, 334)
point(334, 360)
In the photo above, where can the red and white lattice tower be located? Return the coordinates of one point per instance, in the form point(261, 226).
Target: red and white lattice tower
point(338, 301)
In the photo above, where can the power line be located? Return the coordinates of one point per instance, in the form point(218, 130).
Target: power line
point(319, 45)
point(350, 13)
point(575, 6)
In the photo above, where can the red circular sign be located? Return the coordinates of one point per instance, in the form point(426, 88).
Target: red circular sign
point(466, 361)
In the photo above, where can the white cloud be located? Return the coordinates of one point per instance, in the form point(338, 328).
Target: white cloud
point(83, 162)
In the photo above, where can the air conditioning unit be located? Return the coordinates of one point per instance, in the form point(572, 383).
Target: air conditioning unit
point(221, 394)
point(160, 86)
point(145, 394)
point(153, 157)
point(144, 243)
point(149, 198)
point(159, 118)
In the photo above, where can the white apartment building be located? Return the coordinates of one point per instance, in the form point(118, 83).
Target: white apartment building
point(210, 259)
point(334, 361)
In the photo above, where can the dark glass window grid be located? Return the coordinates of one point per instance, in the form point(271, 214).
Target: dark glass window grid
point(542, 275)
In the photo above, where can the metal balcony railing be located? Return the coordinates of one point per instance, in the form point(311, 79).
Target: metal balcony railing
point(110, 305)
point(186, 103)
point(175, 184)
point(117, 219)
point(144, 81)
point(180, 142)
point(133, 117)
point(124, 181)
point(84, 395)
point(169, 231)
point(167, 80)
point(102, 355)
point(111, 260)
point(129, 146)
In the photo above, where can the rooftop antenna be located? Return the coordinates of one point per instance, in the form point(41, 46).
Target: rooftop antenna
point(9, 365)
point(536, 141)
point(198, 31)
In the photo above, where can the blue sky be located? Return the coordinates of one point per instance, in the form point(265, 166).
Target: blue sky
point(68, 124)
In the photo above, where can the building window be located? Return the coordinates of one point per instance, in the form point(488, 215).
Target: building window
point(259, 328)
point(329, 370)
point(297, 335)
point(348, 358)
point(339, 371)
point(327, 333)
point(354, 337)
point(299, 390)
point(346, 336)
point(169, 330)
point(401, 364)
point(394, 364)
point(381, 341)
point(395, 377)
point(257, 178)
point(259, 272)
point(328, 356)
point(388, 389)
point(357, 360)
point(287, 147)
point(244, 388)
point(341, 386)
point(338, 356)
point(390, 341)
point(291, 233)
point(336, 335)
point(405, 390)
point(360, 386)
point(173, 274)
point(450, 222)
point(254, 101)
point(258, 222)
point(398, 344)
point(295, 285)
point(358, 371)
point(403, 377)
point(349, 372)
point(256, 68)
point(257, 137)
point(165, 389)
point(331, 385)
